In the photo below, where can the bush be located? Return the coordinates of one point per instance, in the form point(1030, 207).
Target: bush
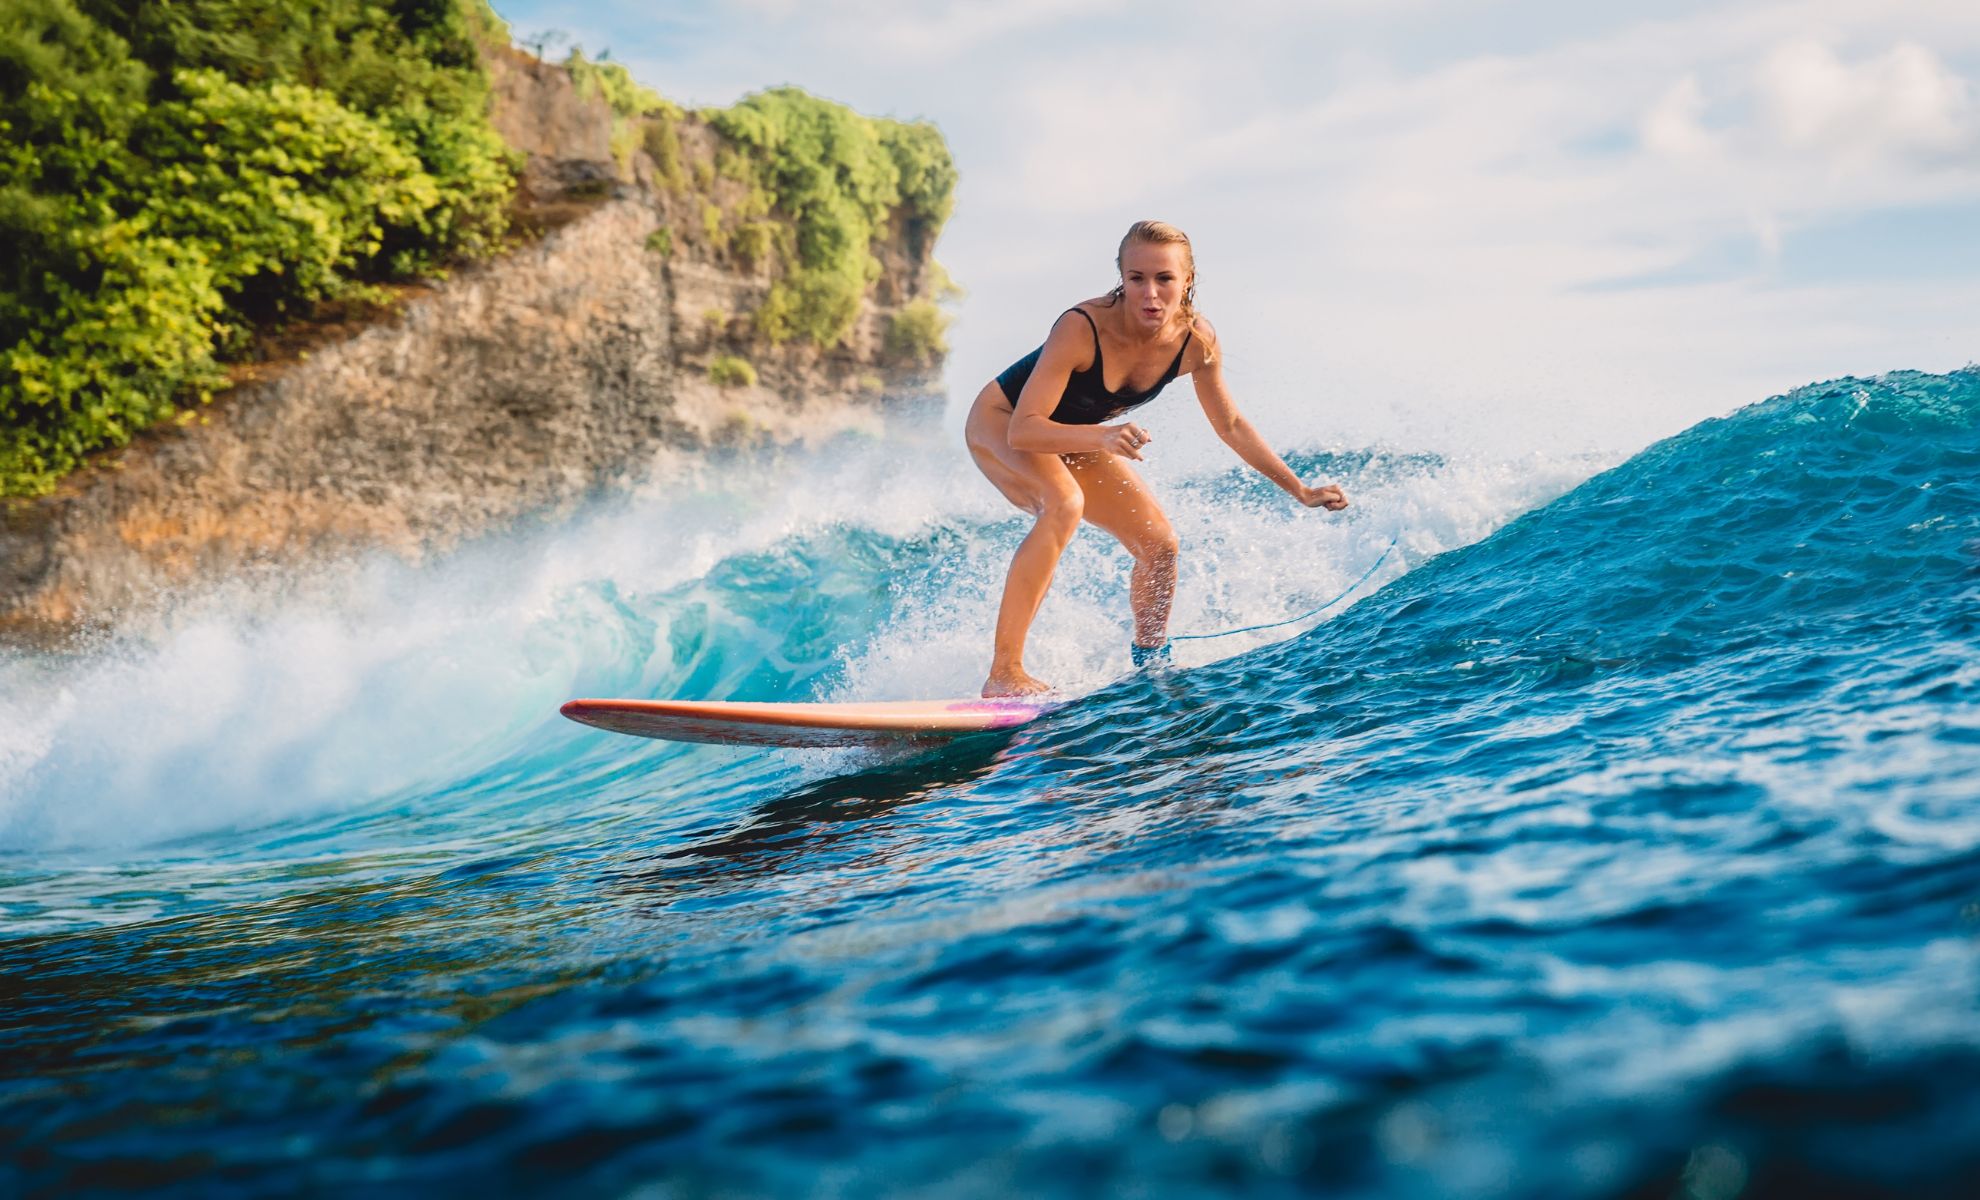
point(661, 241)
point(753, 241)
point(819, 306)
point(839, 176)
point(283, 188)
point(711, 226)
point(163, 189)
point(937, 282)
point(662, 140)
point(915, 334)
point(729, 371)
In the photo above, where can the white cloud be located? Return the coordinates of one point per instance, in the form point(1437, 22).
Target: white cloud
point(1675, 124)
point(1902, 102)
point(931, 29)
point(1096, 142)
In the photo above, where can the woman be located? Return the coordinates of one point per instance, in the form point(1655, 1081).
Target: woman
point(1038, 433)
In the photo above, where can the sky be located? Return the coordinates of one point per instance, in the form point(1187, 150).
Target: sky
point(1429, 224)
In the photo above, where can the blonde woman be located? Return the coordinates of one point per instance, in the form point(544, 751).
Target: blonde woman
point(1040, 433)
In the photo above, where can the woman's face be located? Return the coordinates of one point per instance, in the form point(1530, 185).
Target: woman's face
point(1154, 276)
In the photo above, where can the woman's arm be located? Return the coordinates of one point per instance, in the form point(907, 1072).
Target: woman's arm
point(1068, 348)
point(1241, 436)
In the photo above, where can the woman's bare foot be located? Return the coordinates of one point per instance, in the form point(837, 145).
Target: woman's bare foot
point(1014, 682)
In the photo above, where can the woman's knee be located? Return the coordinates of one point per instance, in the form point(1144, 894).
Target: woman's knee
point(1061, 511)
point(1157, 548)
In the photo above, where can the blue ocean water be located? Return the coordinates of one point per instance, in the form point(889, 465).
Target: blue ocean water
point(1620, 837)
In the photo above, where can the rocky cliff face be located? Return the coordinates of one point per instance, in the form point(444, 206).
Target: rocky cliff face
point(519, 387)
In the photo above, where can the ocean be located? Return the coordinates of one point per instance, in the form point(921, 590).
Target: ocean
point(1618, 836)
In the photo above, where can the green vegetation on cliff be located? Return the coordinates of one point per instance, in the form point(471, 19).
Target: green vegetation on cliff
point(730, 371)
point(175, 177)
point(841, 178)
point(208, 165)
point(918, 333)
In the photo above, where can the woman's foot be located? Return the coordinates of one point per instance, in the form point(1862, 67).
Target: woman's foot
point(1014, 682)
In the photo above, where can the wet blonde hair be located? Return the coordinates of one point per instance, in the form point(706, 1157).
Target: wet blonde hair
point(1161, 233)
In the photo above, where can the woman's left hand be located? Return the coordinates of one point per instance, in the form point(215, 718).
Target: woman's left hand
point(1329, 497)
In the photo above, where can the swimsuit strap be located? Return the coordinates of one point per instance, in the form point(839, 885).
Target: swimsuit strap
point(1175, 368)
point(1098, 372)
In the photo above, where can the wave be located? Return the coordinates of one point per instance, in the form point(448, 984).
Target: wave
point(1782, 601)
point(862, 568)
point(1829, 520)
point(1796, 530)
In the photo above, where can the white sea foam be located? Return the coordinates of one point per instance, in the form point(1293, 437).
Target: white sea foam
point(1249, 559)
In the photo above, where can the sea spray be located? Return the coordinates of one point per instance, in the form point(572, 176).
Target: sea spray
point(836, 573)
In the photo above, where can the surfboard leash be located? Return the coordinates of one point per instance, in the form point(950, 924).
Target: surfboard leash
point(1365, 575)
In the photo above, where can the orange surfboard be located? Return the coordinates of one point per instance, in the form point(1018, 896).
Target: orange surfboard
point(740, 723)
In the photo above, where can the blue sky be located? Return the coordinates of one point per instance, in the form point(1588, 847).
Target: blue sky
point(1442, 224)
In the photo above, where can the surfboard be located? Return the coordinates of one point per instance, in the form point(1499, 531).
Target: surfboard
point(893, 723)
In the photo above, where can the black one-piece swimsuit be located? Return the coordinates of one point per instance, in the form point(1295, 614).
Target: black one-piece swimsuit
point(1087, 400)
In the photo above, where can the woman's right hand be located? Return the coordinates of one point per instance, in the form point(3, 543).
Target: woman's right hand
point(1329, 497)
point(1125, 440)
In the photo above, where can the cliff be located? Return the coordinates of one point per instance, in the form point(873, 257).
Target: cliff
point(632, 325)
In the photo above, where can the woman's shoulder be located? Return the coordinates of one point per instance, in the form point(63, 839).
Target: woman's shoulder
point(1080, 321)
point(1093, 310)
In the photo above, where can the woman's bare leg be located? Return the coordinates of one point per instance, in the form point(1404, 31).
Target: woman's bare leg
point(1041, 485)
point(1120, 503)
point(1025, 585)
